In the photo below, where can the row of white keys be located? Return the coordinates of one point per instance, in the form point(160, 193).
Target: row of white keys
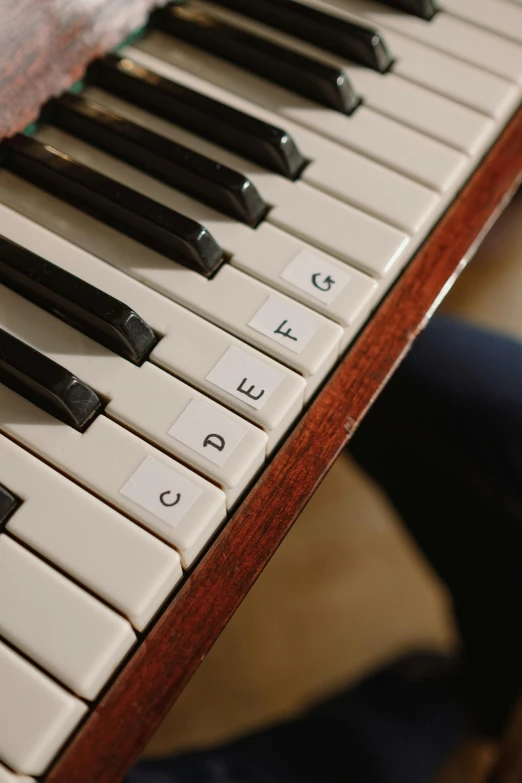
point(344, 174)
point(463, 82)
point(170, 414)
point(370, 133)
point(178, 505)
point(445, 32)
point(496, 16)
point(55, 623)
point(296, 209)
point(433, 115)
point(190, 347)
point(116, 559)
point(36, 715)
point(265, 252)
point(233, 300)
point(10, 777)
point(436, 116)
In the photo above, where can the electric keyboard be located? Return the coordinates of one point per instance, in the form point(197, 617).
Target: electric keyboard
point(215, 247)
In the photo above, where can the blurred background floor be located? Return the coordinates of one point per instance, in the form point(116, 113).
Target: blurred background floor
point(347, 590)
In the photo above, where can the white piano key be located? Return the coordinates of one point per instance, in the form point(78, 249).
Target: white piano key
point(9, 777)
point(229, 299)
point(335, 228)
point(244, 377)
point(65, 630)
point(104, 458)
point(496, 16)
point(208, 432)
point(117, 560)
point(386, 141)
point(352, 295)
point(190, 346)
point(461, 39)
point(36, 715)
point(343, 290)
point(434, 115)
point(336, 170)
point(295, 332)
point(202, 348)
point(145, 399)
point(369, 185)
point(425, 160)
point(58, 625)
point(461, 81)
point(155, 487)
point(310, 272)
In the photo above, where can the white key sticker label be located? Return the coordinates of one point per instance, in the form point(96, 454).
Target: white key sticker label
point(245, 377)
point(286, 323)
point(161, 490)
point(316, 276)
point(208, 431)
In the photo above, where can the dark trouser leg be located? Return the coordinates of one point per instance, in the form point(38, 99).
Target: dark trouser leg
point(398, 726)
point(444, 441)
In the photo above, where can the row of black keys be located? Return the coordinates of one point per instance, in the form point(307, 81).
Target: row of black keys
point(160, 228)
point(307, 76)
point(283, 12)
point(95, 313)
point(98, 315)
point(83, 306)
point(354, 41)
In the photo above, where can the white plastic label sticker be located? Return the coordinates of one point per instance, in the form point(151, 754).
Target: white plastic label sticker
point(245, 377)
point(208, 431)
point(286, 323)
point(316, 276)
point(162, 491)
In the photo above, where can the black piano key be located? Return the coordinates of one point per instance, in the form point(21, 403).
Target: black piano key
point(98, 315)
point(258, 141)
point(426, 9)
point(303, 75)
point(155, 225)
point(8, 504)
point(218, 186)
point(45, 383)
point(358, 42)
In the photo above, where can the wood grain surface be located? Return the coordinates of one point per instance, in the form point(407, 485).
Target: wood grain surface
point(45, 46)
point(133, 707)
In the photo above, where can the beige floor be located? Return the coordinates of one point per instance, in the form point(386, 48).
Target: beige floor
point(347, 590)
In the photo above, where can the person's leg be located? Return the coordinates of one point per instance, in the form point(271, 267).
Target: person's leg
point(398, 726)
point(444, 441)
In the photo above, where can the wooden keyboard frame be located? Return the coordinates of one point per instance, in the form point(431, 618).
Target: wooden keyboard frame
point(133, 706)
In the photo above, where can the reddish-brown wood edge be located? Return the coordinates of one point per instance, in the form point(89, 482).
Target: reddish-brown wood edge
point(45, 46)
point(134, 706)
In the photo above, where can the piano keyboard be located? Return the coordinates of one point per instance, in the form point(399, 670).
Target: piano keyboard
point(189, 242)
